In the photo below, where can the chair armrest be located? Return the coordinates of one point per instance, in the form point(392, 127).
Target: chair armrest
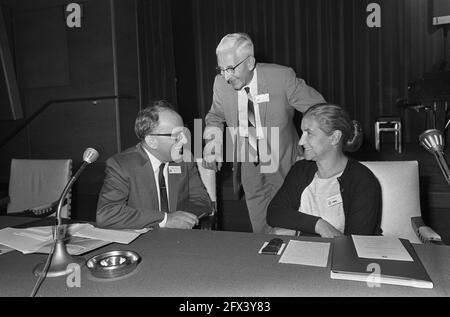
point(425, 233)
point(214, 208)
point(209, 222)
point(4, 204)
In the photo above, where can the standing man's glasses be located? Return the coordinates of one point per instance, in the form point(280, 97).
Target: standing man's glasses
point(230, 70)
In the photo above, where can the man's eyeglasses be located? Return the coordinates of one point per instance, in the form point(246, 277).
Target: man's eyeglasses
point(176, 137)
point(230, 70)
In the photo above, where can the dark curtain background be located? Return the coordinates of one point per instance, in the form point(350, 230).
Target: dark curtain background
point(328, 43)
point(156, 51)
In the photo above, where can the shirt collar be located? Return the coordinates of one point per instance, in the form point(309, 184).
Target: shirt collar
point(155, 162)
point(252, 84)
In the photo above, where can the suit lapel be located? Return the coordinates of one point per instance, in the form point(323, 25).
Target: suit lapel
point(174, 182)
point(147, 169)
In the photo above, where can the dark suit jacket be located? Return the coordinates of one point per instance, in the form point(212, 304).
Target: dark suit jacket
point(129, 198)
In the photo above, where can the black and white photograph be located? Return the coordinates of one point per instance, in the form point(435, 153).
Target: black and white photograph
point(224, 155)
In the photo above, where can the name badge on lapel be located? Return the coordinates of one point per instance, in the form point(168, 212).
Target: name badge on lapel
point(262, 98)
point(174, 169)
point(334, 200)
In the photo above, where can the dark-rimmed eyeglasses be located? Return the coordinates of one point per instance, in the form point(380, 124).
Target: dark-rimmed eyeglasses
point(176, 137)
point(230, 69)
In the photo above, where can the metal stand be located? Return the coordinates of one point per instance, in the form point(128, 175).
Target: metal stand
point(61, 260)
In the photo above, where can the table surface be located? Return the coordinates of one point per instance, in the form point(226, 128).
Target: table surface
point(210, 263)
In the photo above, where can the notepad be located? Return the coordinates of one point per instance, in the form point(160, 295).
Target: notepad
point(306, 253)
point(347, 265)
point(382, 248)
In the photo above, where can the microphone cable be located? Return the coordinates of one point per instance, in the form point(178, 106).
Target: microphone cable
point(43, 274)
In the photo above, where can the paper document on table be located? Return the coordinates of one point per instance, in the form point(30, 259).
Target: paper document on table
point(378, 247)
point(4, 249)
point(76, 245)
point(25, 240)
point(38, 239)
point(119, 236)
point(306, 253)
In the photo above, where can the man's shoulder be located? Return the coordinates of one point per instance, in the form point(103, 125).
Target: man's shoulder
point(274, 68)
point(274, 74)
point(129, 155)
point(186, 164)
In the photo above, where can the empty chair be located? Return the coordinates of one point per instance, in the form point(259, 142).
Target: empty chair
point(399, 182)
point(36, 185)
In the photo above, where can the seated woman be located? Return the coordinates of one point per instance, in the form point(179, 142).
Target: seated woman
point(328, 194)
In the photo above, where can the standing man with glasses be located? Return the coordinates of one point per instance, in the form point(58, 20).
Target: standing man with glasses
point(257, 100)
point(149, 184)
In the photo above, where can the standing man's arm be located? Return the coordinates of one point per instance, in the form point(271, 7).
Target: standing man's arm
point(199, 201)
point(300, 95)
point(213, 133)
point(216, 116)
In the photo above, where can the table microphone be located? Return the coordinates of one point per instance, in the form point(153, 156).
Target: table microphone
point(433, 141)
point(90, 155)
point(61, 258)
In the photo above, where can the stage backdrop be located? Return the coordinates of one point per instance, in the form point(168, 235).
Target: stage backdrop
point(327, 42)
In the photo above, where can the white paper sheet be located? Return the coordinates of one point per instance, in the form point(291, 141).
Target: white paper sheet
point(23, 240)
point(119, 236)
point(306, 253)
point(77, 245)
point(35, 239)
point(378, 247)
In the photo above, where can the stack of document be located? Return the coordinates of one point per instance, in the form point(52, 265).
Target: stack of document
point(378, 260)
point(82, 238)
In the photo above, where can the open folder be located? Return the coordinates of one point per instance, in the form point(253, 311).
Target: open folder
point(346, 265)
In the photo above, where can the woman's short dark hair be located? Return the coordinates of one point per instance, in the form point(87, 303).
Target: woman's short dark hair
point(148, 118)
point(333, 117)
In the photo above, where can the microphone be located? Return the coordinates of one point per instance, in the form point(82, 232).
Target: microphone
point(90, 155)
point(433, 141)
point(61, 259)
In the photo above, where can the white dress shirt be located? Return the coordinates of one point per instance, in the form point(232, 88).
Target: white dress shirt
point(243, 108)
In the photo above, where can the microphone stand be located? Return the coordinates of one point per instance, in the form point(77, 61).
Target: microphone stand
point(61, 258)
point(442, 162)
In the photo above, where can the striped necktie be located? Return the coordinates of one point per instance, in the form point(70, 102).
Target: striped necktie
point(252, 139)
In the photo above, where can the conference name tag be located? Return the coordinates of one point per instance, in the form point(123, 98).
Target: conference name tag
point(262, 98)
point(174, 169)
point(334, 200)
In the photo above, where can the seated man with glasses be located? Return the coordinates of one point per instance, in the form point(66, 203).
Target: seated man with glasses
point(261, 100)
point(149, 184)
